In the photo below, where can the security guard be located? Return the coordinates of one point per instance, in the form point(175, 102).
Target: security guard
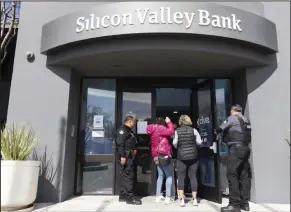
point(126, 147)
point(238, 137)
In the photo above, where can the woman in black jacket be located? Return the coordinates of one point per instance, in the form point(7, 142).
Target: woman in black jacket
point(186, 141)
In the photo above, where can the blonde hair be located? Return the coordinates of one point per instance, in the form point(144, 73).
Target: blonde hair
point(185, 120)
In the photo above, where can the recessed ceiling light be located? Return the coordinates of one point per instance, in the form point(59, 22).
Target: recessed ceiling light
point(175, 112)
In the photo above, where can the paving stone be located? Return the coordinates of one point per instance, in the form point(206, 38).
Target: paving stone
point(278, 207)
point(111, 204)
point(42, 207)
point(149, 205)
point(82, 203)
point(254, 207)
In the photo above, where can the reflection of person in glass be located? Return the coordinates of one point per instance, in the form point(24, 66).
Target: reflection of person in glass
point(126, 148)
point(186, 140)
point(238, 139)
point(161, 147)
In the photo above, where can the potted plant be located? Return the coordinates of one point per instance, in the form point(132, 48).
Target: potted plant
point(19, 175)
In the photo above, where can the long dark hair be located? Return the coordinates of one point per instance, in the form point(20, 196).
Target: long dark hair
point(160, 121)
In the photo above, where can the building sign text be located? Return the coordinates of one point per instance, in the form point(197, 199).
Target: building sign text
point(163, 16)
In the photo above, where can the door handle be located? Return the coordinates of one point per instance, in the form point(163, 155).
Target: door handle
point(214, 147)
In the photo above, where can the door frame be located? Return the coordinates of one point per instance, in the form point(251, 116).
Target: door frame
point(135, 86)
point(142, 83)
point(80, 150)
point(206, 192)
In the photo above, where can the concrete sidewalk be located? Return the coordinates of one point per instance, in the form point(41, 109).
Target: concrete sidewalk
point(111, 204)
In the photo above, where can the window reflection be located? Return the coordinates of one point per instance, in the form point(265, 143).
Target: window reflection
point(98, 178)
point(222, 91)
point(204, 123)
point(137, 104)
point(223, 103)
point(100, 118)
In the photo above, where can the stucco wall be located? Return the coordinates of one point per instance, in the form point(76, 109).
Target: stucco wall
point(41, 96)
point(269, 109)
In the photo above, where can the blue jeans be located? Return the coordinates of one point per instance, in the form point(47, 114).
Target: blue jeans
point(167, 171)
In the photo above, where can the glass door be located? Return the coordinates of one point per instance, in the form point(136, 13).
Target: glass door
point(137, 101)
point(209, 162)
point(95, 156)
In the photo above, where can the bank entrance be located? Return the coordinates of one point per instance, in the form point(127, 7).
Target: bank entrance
point(106, 102)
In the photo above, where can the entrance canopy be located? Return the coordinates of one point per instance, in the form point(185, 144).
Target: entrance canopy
point(159, 39)
point(166, 55)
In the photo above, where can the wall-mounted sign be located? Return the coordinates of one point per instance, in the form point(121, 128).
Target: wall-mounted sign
point(162, 16)
point(98, 121)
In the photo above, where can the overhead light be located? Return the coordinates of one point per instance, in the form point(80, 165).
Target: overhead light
point(175, 112)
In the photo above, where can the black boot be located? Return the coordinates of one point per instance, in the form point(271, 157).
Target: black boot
point(230, 208)
point(121, 199)
point(133, 201)
point(245, 207)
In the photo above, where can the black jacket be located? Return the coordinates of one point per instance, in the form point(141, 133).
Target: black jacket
point(125, 141)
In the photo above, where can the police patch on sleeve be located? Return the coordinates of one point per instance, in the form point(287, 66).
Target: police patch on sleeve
point(121, 132)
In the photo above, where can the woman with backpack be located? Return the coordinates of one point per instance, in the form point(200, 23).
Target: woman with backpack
point(161, 153)
point(186, 141)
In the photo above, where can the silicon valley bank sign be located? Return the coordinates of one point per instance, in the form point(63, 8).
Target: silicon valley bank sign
point(163, 16)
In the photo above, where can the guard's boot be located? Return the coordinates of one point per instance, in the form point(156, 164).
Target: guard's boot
point(230, 208)
point(121, 199)
point(134, 201)
point(245, 207)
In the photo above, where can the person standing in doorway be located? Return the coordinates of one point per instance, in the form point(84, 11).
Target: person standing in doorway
point(238, 137)
point(186, 141)
point(161, 152)
point(126, 148)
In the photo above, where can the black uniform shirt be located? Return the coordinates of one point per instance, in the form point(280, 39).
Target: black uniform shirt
point(232, 124)
point(125, 140)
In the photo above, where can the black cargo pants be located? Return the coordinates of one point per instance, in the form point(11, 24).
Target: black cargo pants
point(239, 175)
point(127, 178)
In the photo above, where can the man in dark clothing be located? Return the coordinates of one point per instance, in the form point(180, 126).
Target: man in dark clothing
point(237, 129)
point(126, 149)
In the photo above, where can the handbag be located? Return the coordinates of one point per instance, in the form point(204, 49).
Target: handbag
point(164, 160)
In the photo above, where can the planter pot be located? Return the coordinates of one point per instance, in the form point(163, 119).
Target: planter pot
point(19, 181)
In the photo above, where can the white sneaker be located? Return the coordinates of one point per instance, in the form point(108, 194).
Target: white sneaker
point(159, 199)
point(182, 202)
point(195, 203)
point(168, 200)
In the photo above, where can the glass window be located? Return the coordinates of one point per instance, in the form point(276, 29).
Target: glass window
point(97, 130)
point(223, 104)
point(204, 123)
point(98, 178)
point(100, 116)
point(222, 98)
point(137, 104)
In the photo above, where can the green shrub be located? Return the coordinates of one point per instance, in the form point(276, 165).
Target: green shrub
point(17, 143)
